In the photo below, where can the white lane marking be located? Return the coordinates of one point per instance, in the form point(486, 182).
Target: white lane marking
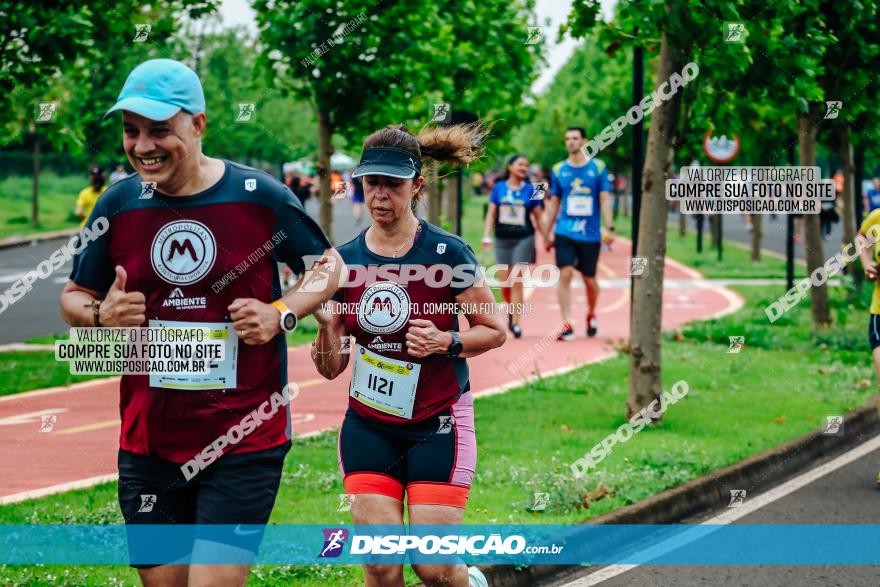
point(23, 347)
point(11, 277)
point(297, 419)
point(61, 389)
point(30, 417)
point(43, 492)
point(732, 514)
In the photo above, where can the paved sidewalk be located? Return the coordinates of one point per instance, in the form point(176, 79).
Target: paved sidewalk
point(81, 448)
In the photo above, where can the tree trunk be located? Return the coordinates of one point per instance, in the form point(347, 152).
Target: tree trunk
point(435, 200)
point(451, 202)
point(644, 384)
point(35, 197)
point(682, 222)
point(756, 237)
point(858, 205)
point(812, 233)
point(325, 150)
point(713, 229)
point(847, 199)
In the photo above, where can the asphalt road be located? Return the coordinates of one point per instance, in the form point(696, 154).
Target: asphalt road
point(846, 495)
point(37, 312)
point(735, 227)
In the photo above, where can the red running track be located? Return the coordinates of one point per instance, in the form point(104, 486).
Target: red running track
point(81, 448)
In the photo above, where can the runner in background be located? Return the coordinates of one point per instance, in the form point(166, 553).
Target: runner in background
point(513, 216)
point(159, 265)
point(869, 258)
point(579, 191)
point(828, 210)
point(118, 173)
point(409, 428)
point(357, 201)
point(477, 183)
point(872, 195)
point(88, 197)
point(537, 175)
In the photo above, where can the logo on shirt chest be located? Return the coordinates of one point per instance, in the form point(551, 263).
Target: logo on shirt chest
point(176, 299)
point(383, 308)
point(379, 345)
point(183, 251)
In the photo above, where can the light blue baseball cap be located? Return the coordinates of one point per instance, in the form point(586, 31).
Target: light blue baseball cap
point(160, 88)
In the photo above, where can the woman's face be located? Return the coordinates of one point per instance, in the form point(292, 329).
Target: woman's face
point(519, 168)
point(388, 198)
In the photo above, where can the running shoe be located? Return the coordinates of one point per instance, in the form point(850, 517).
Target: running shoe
point(516, 330)
point(592, 325)
point(567, 333)
point(476, 578)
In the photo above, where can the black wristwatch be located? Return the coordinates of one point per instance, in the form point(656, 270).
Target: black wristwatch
point(455, 348)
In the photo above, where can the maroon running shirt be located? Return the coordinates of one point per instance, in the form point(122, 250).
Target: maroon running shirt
point(378, 310)
point(191, 257)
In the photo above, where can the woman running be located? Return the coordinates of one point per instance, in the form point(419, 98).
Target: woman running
point(513, 213)
point(409, 427)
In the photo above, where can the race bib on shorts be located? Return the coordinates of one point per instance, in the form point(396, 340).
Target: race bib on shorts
point(386, 385)
point(512, 215)
point(579, 205)
point(223, 374)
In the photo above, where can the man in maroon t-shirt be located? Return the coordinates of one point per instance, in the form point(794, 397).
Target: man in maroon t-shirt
point(194, 242)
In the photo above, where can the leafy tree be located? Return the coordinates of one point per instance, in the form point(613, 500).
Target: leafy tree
point(363, 65)
point(591, 90)
point(278, 130)
point(693, 31)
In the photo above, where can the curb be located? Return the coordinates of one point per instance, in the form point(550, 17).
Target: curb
point(710, 492)
point(15, 241)
point(20, 346)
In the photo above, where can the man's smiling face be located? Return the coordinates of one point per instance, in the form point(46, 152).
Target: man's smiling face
point(158, 149)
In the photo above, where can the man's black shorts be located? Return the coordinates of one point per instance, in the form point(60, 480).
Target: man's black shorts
point(236, 489)
point(874, 331)
point(583, 256)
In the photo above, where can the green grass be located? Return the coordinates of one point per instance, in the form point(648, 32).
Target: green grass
point(26, 370)
point(781, 386)
point(57, 201)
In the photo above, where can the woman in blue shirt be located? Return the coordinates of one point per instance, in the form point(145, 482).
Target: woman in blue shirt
point(514, 212)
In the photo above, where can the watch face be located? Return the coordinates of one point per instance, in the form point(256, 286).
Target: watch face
point(289, 321)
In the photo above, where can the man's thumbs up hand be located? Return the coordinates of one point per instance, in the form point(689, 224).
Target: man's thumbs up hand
point(120, 308)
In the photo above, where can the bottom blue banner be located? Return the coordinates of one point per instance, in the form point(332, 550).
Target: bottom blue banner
point(677, 544)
